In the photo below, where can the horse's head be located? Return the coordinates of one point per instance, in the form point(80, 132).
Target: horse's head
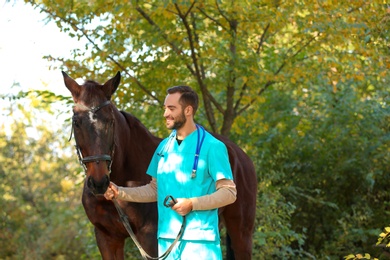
point(93, 125)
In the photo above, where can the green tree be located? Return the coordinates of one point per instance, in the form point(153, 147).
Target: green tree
point(231, 52)
point(41, 183)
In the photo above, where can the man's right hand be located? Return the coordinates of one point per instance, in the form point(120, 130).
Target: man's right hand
point(111, 192)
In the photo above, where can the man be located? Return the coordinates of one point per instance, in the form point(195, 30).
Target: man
point(192, 167)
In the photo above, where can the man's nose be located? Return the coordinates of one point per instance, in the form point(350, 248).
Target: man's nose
point(166, 114)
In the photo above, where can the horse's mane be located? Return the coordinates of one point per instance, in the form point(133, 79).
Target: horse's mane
point(134, 122)
point(131, 119)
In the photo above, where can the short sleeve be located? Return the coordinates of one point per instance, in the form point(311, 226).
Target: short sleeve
point(219, 165)
point(153, 165)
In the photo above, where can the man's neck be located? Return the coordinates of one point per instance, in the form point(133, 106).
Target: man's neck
point(185, 131)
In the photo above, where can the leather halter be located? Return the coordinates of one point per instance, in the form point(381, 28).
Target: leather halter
point(93, 158)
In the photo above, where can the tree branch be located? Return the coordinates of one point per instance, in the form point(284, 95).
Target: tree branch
point(165, 37)
point(262, 38)
point(258, 51)
point(269, 83)
point(76, 28)
point(207, 96)
point(211, 18)
point(189, 9)
point(220, 11)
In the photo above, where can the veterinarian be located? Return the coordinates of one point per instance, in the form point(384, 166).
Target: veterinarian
point(192, 167)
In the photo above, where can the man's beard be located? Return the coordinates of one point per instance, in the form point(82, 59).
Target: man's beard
point(179, 122)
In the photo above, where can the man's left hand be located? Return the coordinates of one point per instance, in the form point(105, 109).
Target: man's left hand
point(183, 206)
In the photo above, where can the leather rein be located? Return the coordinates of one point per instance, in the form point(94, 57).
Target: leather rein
point(127, 225)
point(168, 202)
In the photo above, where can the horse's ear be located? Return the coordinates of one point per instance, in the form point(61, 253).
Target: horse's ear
point(111, 85)
point(72, 85)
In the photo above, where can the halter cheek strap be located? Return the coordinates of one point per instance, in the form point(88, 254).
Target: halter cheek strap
point(93, 158)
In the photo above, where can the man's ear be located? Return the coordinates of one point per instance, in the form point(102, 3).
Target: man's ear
point(188, 111)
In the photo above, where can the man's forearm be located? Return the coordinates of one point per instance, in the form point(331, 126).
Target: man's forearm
point(146, 193)
point(226, 194)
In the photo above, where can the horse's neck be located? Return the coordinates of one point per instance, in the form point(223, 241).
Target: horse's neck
point(135, 146)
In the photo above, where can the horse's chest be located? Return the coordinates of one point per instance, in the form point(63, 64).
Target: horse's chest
point(99, 212)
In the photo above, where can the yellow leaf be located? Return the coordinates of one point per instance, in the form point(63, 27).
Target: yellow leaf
point(293, 80)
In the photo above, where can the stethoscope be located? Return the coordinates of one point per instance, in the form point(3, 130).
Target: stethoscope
point(197, 150)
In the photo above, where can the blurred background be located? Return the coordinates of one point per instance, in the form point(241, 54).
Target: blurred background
point(301, 86)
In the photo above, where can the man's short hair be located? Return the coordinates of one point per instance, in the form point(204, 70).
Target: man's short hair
point(188, 96)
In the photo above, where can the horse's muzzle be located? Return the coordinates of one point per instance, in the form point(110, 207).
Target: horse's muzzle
point(98, 187)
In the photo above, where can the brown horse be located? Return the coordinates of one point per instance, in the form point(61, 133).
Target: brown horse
point(114, 145)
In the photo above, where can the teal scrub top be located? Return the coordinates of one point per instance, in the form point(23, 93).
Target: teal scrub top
point(172, 165)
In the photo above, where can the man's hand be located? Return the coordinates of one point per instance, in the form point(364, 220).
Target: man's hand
point(111, 192)
point(183, 206)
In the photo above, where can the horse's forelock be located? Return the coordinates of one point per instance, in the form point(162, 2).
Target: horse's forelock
point(92, 92)
point(91, 83)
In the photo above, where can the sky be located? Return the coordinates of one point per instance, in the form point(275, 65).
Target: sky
point(24, 39)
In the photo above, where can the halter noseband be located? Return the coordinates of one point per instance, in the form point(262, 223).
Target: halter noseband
point(93, 158)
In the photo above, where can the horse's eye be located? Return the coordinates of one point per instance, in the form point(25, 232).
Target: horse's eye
point(76, 122)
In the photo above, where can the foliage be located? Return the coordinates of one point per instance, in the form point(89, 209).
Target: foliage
point(322, 161)
point(384, 237)
point(359, 256)
point(231, 52)
point(301, 86)
point(42, 217)
point(383, 242)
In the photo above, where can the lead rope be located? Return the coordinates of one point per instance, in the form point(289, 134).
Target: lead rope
point(127, 226)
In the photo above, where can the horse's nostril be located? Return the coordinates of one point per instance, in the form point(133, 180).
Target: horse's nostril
point(90, 183)
point(98, 186)
point(106, 183)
